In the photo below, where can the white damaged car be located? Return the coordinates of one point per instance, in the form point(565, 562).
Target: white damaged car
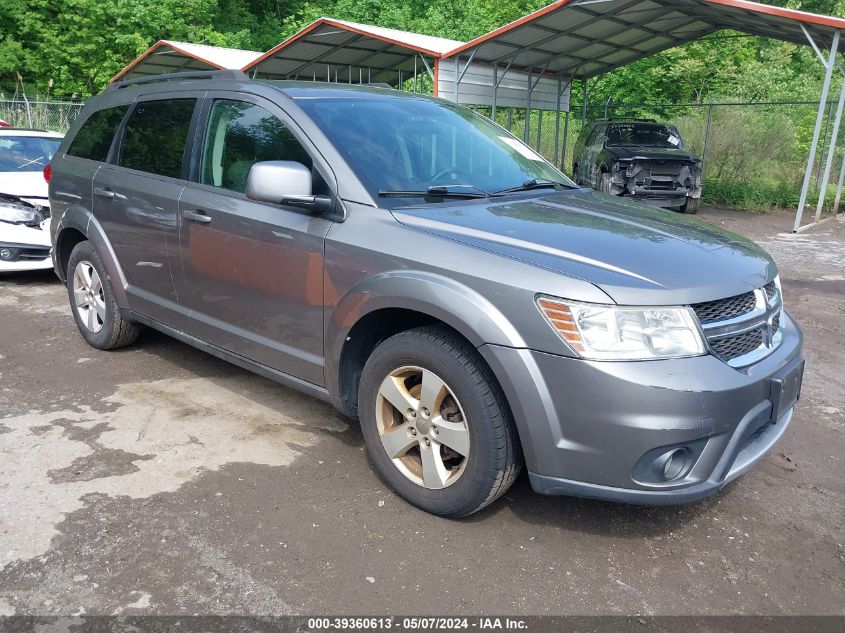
point(24, 207)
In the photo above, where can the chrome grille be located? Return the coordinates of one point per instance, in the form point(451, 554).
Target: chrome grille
point(722, 309)
point(771, 290)
point(735, 346)
point(743, 329)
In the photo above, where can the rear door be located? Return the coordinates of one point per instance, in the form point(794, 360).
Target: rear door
point(136, 201)
point(253, 272)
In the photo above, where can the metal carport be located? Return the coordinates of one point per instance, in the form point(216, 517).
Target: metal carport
point(580, 39)
point(167, 56)
point(348, 52)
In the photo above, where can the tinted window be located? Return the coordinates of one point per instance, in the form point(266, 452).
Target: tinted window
point(647, 134)
point(412, 143)
point(95, 136)
point(239, 135)
point(26, 153)
point(155, 136)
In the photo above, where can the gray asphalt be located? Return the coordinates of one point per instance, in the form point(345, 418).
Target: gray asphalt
point(160, 480)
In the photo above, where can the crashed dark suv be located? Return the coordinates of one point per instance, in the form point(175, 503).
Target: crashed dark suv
point(641, 159)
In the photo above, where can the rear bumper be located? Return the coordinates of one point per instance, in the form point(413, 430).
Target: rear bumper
point(587, 428)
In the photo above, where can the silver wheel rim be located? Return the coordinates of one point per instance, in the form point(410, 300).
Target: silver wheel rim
point(422, 427)
point(88, 296)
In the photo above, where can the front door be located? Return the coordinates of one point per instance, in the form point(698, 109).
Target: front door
point(253, 272)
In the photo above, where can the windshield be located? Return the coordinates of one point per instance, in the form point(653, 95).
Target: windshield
point(26, 153)
point(411, 144)
point(649, 135)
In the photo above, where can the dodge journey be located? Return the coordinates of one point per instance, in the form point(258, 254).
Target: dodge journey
point(424, 271)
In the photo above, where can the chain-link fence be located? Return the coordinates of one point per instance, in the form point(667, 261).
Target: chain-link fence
point(39, 114)
point(754, 154)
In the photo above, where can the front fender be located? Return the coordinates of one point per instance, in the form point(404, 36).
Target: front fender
point(442, 298)
point(82, 220)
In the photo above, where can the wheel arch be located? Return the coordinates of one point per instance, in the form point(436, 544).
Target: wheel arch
point(399, 301)
point(76, 225)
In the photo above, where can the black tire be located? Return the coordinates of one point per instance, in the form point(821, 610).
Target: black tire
point(604, 182)
point(690, 206)
point(116, 331)
point(494, 459)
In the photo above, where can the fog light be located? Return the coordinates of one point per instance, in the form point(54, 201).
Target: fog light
point(7, 254)
point(674, 464)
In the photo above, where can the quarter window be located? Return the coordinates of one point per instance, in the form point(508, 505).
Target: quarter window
point(155, 136)
point(94, 138)
point(239, 135)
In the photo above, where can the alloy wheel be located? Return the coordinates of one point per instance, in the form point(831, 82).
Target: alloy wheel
point(88, 296)
point(422, 427)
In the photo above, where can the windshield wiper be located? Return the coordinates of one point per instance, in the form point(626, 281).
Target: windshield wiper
point(441, 191)
point(534, 183)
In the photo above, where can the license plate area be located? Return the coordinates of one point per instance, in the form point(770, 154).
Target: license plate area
point(786, 388)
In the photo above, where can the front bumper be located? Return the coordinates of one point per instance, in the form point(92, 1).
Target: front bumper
point(31, 246)
point(587, 426)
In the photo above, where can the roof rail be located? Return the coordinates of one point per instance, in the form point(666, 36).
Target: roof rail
point(194, 74)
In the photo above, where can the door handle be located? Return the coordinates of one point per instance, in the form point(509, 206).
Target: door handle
point(103, 193)
point(196, 216)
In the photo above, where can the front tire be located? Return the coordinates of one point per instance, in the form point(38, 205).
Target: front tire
point(690, 206)
point(92, 301)
point(436, 424)
point(604, 183)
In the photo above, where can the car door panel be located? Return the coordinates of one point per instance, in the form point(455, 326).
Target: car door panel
point(138, 213)
point(253, 272)
point(138, 208)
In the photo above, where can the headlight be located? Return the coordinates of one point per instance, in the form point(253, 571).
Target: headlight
point(19, 215)
point(604, 332)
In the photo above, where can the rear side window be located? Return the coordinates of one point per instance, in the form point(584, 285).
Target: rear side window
point(94, 138)
point(155, 135)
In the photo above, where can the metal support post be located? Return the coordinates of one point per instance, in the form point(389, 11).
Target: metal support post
point(808, 174)
point(831, 154)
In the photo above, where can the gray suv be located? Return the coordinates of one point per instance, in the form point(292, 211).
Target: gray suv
point(423, 270)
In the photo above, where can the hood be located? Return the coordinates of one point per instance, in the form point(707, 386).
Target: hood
point(628, 152)
point(29, 185)
point(636, 254)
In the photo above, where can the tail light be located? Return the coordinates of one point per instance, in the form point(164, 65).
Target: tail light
point(48, 173)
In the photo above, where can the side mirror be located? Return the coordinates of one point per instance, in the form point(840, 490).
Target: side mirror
point(284, 182)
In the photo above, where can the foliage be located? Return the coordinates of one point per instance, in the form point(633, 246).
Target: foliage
point(71, 48)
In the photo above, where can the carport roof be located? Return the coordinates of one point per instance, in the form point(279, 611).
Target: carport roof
point(169, 56)
point(585, 38)
point(338, 43)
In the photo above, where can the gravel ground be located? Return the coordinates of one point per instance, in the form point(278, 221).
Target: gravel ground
point(160, 480)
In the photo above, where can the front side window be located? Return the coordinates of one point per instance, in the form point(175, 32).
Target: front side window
point(239, 135)
point(155, 136)
point(408, 144)
point(94, 138)
point(26, 153)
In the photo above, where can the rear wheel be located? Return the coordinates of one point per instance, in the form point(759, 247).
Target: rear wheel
point(92, 301)
point(690, 206)
point(436, 424)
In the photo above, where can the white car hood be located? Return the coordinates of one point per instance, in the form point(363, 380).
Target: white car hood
point(29, 185)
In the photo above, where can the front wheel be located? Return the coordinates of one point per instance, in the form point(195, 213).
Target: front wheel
point(436, 424)
point(604, 183)
point(690, 206)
